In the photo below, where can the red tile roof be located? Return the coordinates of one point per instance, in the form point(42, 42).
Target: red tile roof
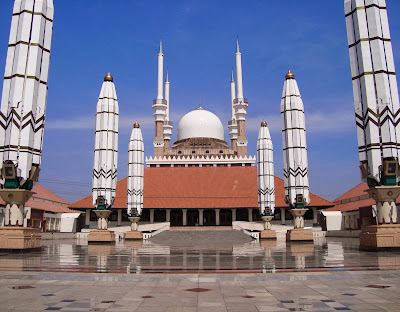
point(200, 187)
point(354, 192)
point(354, 199)
point(36, 202)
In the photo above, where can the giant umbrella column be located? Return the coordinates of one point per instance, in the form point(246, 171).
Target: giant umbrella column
point(295, 169)
point(266, 183)
point(22, 116)
point(104, 177)
point(135, 181)
point(376, 101)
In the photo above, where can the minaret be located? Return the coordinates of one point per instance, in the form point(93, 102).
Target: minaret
point(23, 105)
point(232, 125)
point(167, 123)
point(376, 101)
point(105, 151)
point(160, 107)
point(135, 180)
point(240, 104)
point(295, 164)
point(266, 183)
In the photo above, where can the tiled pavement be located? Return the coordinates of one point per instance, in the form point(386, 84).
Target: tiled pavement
point(319, 291)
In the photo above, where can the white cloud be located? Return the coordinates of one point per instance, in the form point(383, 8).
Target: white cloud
point(316, 122)
point(89, 123)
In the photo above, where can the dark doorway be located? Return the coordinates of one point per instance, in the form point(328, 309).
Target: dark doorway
point(256, 215)
point(225, 217)
point(176, 217)
point(145, 217)
point(209, 216)
point(160, 215)
point(192, 217)
point(242, 214)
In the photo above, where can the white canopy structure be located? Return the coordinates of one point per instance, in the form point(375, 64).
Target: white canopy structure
point(294, 143)
point(135, 172)
point(265, 171)
point(106, 146)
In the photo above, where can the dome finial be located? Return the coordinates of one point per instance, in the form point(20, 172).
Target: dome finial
point(108, 77)
point(289, 75)
point(263, 123)
point(136, 125)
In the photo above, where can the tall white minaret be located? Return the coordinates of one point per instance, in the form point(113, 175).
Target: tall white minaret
point(160, 108)
point(24, 99)
point(106, 146)
point(240, 105)
point(232, 125)
point(167, 123)
point(376, 101)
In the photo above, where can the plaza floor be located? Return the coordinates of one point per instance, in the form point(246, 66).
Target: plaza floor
point(200, 271)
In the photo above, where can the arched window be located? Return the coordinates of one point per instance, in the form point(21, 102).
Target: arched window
point(221, 151)
point(179, 152)
point(193, 152)
point(207, 152)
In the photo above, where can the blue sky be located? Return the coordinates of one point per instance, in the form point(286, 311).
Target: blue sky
point(92, 37)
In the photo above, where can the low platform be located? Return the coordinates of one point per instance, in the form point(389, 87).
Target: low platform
point(19, 238)
point(133, 235)
point(268, 234)
point(375, 237)
point(299, 235)
point(101, 237)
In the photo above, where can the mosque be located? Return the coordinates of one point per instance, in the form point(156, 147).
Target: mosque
point(200, 179)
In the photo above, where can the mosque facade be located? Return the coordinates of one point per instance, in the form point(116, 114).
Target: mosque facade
point(200, 179)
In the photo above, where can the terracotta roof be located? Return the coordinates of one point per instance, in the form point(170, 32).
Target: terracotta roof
point(354, 199)
point(353, 205)
point(42, 193)
point(200, 187)
point(354, 192)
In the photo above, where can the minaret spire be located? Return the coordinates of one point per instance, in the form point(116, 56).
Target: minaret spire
point(160, 108)
point(240, 105)
point(239, 72)
point(160, 73)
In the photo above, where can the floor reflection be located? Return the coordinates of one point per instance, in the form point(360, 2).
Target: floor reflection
point(143, 257)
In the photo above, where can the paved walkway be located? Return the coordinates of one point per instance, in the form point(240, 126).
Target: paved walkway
point(327, 291)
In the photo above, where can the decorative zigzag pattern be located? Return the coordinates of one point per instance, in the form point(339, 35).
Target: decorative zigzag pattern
point(21, 122)
point(105, 174)
point(135, 192)
point(266, 191)
point(295, 173)
point(378, 119)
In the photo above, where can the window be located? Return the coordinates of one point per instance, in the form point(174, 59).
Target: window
point(221, 151)
point(179, 152)
point(193, 152)
point(207, 152)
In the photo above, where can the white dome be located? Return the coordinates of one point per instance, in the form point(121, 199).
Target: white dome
point(200, 124)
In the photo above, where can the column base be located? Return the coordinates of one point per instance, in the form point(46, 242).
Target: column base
point(133, 235)
point(101, 237)
point(382, 236)
point(299, 235)
point(268, 234)
point(19, 238)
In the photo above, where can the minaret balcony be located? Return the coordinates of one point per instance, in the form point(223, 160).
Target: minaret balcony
point(242, 101)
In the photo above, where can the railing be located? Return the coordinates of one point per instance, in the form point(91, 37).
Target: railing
point(147, 235)
point(168, 123)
